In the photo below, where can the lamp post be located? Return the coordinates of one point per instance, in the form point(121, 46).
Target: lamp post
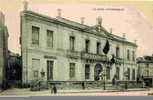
point(126, 83)
point(104, 73)
point(42, 73)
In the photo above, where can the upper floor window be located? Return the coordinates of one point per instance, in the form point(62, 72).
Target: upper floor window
point(72, 43)
point(87, 46)
point(117, 52)
point(35, 35)
point(133, 55)
point(49, 38)
point(128, 54)
point(98, 47)
point(133, 74)
point(72, 70)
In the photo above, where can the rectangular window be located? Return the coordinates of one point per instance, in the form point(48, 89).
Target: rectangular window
point(35, 35)
point(128, 73)
point(87, 45)
point(35, 67)
point(35, 74)
point(72, 43)
point(49, 70)
point(117, 52)
point(133, 55)
point(98, 47)
point(133, 74)
point(72, 70)
point(128, 54)
point(87, 71)
point(117, 73)
point(49, 38)
point(107, 73)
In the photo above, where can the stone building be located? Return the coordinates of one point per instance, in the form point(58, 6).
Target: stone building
point(145, 69)
point(3, 48)
point(14, 70)
point(57, 49)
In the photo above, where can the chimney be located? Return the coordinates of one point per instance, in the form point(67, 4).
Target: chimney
point(135, 41)
point(25, 4)
point(2, 19)
point(124, 35)
point(99, 20)
point(59, 12)
point(82, 20)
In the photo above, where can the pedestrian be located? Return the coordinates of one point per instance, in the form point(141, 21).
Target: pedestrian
point(113, 81)
point(83, 85)
point(100, 76)
point(143, 84)
point(126, 85)
point(54, 89)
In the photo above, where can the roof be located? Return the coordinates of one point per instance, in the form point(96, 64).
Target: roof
point(145, 59)
point(81, 27)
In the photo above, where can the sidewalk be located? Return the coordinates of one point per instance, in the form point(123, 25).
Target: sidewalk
point(27, 92)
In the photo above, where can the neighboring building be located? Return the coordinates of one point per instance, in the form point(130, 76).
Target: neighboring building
point(145, 69)
point(69, 51)
point(14, 69)
point(3, 48)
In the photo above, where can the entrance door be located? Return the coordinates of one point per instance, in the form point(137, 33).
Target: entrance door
point(98, 70)
point(49, 70)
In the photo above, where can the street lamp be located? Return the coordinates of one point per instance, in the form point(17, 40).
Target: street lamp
point(126, 75)
point(107, 65)
point(42, 73)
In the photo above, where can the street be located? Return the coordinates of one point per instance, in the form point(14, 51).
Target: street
point(15, 92)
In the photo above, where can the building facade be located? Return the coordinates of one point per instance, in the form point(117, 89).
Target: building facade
point(57, 49)
point(3, 48)
point(145, 69)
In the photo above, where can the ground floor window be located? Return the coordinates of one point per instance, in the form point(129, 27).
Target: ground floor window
point(72, 70)
point(117, 73)
point(35, 74)
point(87, 71)
point(49, 70)
point(128, 73)
point(35, 67)
point(133, 74)
point(107, 73)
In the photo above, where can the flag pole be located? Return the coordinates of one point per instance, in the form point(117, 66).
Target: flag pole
point(105, 50)
point(105, 72)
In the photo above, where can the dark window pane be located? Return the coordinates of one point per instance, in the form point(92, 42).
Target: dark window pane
point(35, 35)
point(87, 71)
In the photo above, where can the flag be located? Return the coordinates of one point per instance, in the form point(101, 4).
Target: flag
point(106, 48)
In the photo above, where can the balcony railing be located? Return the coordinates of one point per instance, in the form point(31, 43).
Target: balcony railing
point(91, 56)
point(118, 60)
point(73, 54)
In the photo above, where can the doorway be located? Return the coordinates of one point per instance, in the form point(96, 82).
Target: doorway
point(98, 69)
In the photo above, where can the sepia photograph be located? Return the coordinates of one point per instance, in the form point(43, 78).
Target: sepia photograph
point(76, 48)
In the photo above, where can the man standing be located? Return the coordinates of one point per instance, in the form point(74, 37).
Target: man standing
point(113, 81)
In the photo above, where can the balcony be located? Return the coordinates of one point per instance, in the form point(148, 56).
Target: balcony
point(118, 60)
point(73, 54)
point(91, 56)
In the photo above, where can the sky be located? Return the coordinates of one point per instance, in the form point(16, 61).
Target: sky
point(133, 18)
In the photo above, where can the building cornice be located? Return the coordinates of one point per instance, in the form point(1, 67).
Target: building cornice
point(81, 29)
